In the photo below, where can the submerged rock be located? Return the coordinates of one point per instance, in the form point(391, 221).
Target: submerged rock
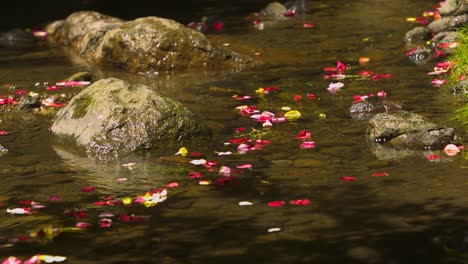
point(274, 11)
point(371, 106)
point(112, 118)
point(420, 55)
point(405, 130)
point(17, 39)
point(145, 44)
point(417, 34)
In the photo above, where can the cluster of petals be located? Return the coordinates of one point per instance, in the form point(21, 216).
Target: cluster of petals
point(268, 118)
point(152, 198)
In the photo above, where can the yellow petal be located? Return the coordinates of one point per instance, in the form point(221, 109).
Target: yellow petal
point(204, 182)
point(292, 115)
point(126, 200)
point(260, 90)
point(51, 259)
point(411, 19)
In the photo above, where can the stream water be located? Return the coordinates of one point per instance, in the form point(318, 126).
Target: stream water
point(416, 214)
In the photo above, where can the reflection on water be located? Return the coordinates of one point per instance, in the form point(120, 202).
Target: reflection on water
point(406, 217)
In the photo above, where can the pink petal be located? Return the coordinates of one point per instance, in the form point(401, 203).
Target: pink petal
point(105, 222)
point(172, 185)
point(311, 96)
point(289, 13)
point(83, 225)
point(3, 133)
point(12, 260)
point(340, 67)
point(451, 150)
point(438, 53)
point(276, 203)
point(225, 171)
point(307, 145)
point(308, 25)
point(348, 178)
point(382, 94)
point(297, 97)
point(33, 260)
point(300, 202)
point(244, 166)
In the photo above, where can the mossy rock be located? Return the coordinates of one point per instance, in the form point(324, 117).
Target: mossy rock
point(112, 118)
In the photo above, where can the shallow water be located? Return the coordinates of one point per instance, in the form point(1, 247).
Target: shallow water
point(407, 217)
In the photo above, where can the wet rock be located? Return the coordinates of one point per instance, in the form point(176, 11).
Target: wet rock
point(447, 23)
point(112, 118)
point(274, 11)
point(80, 76)
point(147, 44)
point(453, 7)
point(445, 37)
point(460, 88)
point(30, 101)
point(421, 55)
point(17, 39)
point(405, 130)
point(3, 150)
point(417, 34)
point(366, 108)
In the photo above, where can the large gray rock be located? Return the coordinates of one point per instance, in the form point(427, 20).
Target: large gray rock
point(112, 118)
point(402, 129)
point(145, 44)
point(448, 23)
point(274, 11)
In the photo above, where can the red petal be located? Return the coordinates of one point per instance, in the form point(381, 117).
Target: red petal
point(195, 175)
point(297, 97)
point(195, 154)
point(3, 133)
point(300, 202)
point(432, 157)
point(88, 189)
point(276, 203)
point(348, 178)
point(379, 174)
point(239, 130)
point(311, 96)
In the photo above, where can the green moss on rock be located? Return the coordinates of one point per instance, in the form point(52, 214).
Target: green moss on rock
point(81, 106)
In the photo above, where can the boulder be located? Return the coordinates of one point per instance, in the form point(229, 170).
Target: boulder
point(148, 44)
point(402, 129)
point(112, 118)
